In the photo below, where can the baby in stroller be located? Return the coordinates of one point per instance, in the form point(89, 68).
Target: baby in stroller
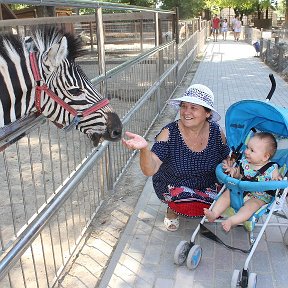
point(254, 166)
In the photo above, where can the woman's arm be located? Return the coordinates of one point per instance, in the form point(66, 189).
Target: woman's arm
point(149, 162)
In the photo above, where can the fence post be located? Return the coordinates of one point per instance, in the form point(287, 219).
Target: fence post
point(276, 40)
point(261, 48)
point(177, 44)
point(267, 52)
point(261, 32)
point(156, 18)
point(161, 68)
point(91, 36)
point(280, 58)
point(100, 44)
point(141, 35)
point(109, 170)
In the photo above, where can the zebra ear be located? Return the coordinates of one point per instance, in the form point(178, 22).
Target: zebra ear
point(57, 53)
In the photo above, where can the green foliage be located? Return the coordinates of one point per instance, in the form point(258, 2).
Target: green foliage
point(142, 3)
point(187, 8)
point(18, 6)
point(281, 8)
point(89, 11)
point(86, 11)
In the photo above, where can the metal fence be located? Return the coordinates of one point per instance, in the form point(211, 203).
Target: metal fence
point(53, 182)
point(273, 51)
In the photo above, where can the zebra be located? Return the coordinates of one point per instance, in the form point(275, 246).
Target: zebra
point(39, 73)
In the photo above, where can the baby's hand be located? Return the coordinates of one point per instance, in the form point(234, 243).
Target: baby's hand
point(225, 166)
point(232, 171)
point(135, 141)
point(276, 176)
point(228, 162)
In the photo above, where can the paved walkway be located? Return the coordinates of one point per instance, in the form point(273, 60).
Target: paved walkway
point(144, 255)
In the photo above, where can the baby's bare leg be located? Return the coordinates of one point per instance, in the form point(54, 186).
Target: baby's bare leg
point(244, 213)
point(220, 206)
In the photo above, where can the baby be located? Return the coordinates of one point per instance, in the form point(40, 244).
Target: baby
point(260, 149)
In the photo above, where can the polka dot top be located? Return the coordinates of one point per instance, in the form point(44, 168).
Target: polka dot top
point(183, 167)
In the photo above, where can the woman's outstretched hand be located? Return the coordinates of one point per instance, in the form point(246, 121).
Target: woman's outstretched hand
point(135, 141)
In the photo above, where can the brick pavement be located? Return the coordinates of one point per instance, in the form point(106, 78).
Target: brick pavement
point(144, 255)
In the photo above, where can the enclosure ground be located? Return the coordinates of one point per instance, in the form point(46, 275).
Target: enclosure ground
point(110, 221)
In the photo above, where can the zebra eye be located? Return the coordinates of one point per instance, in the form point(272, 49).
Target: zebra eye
point(75, 91)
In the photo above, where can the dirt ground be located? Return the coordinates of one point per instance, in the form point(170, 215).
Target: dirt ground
point(110, 221)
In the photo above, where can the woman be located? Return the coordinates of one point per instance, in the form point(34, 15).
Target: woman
point(237, 28)
point(224, 29)
point(183, 159)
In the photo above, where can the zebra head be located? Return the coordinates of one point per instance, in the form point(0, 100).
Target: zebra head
point(55, 54)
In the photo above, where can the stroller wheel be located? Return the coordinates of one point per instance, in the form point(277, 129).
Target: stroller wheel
point(252, 280)
point(285, 238)
point(235, 279)
point(181, 252)
point(194, 257)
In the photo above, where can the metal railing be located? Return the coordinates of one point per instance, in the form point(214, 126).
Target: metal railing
point(273, 51)
point(54, 182)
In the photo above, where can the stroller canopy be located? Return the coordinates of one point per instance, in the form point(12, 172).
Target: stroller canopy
point(244, 115)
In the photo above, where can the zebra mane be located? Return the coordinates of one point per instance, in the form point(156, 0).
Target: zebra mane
point(14, 41)
point(44, 37)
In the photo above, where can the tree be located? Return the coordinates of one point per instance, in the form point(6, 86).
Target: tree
point(43, 11)
point(286, 11)
point(240, 7)
point(187, 8)
point(143, 3)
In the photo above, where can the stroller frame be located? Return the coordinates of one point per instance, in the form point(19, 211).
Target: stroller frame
point(192, 252)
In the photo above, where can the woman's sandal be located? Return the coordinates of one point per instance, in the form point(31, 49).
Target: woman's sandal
point(171, 224)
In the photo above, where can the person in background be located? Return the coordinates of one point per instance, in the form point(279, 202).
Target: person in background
point(233, 21)
point(224, 29)
point(184, 156)
point(182, 32)
point(215, 27)
point(237, 28)
point(220, 25)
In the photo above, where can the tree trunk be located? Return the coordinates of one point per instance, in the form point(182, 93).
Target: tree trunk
point(286, 11)
point(259, 11)
point(46, 11)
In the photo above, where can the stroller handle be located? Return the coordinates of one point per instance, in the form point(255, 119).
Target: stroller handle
point(273, 87)
point(233, 183)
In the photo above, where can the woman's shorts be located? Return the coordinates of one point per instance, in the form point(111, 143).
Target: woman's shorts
point(215, 30)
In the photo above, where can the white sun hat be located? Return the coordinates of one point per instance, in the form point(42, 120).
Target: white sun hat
point(198, 94)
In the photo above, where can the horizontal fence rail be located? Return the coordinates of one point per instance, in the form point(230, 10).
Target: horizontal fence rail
point(54, 182)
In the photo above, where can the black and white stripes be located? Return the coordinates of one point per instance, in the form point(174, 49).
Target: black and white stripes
point(55, 53)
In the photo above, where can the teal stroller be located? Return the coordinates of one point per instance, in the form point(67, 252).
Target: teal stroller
point(242, 120)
